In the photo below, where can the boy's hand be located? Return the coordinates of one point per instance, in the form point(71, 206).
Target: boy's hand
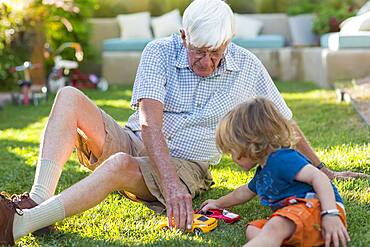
point(209, 204)
point(334, 231)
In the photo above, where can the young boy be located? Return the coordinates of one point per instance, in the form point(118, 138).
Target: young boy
point(307, 208)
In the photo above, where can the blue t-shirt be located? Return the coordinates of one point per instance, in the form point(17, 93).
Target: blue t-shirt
point(275, 181)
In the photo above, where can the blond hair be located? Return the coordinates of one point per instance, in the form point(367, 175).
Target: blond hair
point(253, 129)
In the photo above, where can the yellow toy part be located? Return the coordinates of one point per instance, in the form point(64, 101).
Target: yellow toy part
point(201, 224)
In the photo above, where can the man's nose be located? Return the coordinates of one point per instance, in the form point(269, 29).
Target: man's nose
point(206, 61)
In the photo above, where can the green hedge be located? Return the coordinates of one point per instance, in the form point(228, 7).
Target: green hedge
point(111, 8)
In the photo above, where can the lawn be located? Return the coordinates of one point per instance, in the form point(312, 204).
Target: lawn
point(335, 131)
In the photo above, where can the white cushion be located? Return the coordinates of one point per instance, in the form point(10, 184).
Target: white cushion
point(365, 8)
point(135, 25)
point(356, 24)
point(246, 27)
point(166, 24)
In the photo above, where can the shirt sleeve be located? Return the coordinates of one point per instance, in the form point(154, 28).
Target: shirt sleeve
point(265, 87)
point(288, 163)
point(252, 183)
point(150, 78)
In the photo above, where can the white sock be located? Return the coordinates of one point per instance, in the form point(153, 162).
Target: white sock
point(46, 180)
point(38, 217)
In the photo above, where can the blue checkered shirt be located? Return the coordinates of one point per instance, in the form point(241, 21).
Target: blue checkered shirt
point(193, 105)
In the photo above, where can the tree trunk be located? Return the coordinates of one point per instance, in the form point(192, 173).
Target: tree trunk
point(38, 75)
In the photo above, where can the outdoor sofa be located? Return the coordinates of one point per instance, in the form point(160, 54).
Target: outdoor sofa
point(120, 56)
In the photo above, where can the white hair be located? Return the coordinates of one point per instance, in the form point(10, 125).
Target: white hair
point(208, 23)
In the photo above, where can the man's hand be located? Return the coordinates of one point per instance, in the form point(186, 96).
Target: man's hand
point(343, 175)
point(334, 231)
point(178, 204)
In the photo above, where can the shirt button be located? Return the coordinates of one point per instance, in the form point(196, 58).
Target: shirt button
point(198, 105)
point(185, 117)
point(169, 138)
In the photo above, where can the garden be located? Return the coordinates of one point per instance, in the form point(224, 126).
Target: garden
point(33, 31)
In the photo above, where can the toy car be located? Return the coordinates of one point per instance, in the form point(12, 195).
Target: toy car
point(201, 224)
point(221, 214)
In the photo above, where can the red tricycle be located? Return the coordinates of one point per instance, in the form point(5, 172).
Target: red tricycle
point(29, 93)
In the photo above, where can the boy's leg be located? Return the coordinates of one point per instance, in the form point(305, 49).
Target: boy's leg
point(119, 172)
point(71, 110)
point(274, 232)
point(252, 232)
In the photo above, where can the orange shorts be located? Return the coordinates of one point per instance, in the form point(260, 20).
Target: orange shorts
point(306, 216)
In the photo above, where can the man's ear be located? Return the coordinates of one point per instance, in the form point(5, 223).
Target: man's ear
point(183, 37)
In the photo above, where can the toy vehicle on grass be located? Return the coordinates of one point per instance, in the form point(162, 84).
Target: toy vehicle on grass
point(201, 224)
point(221, 214)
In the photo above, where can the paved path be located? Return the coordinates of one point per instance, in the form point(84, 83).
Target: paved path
point(359, 95)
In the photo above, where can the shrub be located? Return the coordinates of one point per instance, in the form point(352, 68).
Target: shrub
point(272, 6)
point(18, 26)
point(112, 8)
point(11, 30)
point(298, 7)
point(331, 13)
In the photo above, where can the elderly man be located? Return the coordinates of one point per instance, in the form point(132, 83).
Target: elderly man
point(184, 85)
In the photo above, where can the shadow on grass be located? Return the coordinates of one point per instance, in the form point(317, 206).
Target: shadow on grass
point(17, 176)
point(26, 115)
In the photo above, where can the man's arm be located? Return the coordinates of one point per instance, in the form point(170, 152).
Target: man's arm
point(178, 199)
point(305, 148)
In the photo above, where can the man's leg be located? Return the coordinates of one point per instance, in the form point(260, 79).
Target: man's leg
point(71, 110)
point(119, 172)
point(276, 230)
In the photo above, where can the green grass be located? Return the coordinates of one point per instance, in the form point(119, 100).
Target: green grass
point(335, 131)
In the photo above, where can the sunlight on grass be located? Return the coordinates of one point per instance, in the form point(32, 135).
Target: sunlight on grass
point(335, 131)
point(114, 103)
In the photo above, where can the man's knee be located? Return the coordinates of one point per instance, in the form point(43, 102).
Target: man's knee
point(120, 165)
point(68, 93)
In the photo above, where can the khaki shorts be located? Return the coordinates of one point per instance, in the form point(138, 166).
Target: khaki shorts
point(194, 174)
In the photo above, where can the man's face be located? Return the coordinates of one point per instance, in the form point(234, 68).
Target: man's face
point(204, 61)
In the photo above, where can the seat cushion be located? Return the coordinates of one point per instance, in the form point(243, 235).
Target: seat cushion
point(125, 44)
point(359, 40)
point(335, 41)
point(329, 39)
point(261, 41)
point(166, 24)
point(247, 27)
point(135, 25)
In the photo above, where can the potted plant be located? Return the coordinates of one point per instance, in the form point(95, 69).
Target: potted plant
point(329, 17)
point(301, 22)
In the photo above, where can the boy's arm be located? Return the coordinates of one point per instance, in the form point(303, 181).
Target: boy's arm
point(240, 195)
point(333, 228)
point(320, 183)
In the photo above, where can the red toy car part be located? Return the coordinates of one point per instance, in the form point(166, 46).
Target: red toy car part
point(221, 214)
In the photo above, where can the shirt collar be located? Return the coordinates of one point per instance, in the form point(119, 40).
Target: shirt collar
point(230, 62)
point(182, 59)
